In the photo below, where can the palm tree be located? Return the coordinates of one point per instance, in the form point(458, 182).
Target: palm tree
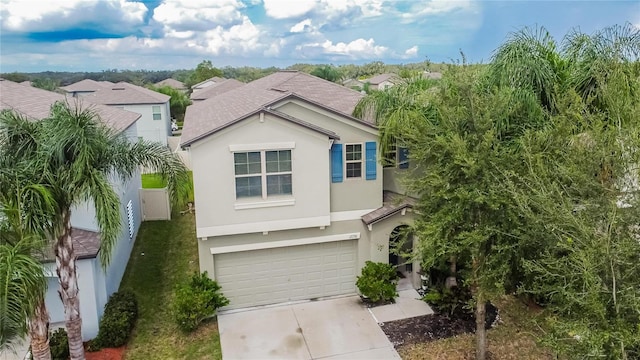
point(22, 279)
point(532, 59)
point(78, 157)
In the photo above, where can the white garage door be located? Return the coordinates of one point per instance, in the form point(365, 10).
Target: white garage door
point(270, 276)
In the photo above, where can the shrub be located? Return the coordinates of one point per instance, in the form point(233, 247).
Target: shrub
point(59, 345)
point(197, 300)
point(378, 281)
point(453, 301)
point(120, 315)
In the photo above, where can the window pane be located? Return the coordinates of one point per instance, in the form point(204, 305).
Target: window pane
point(157, 116)
point(353, 152)
point(254, 157)
point(278, 161)
point(155, 108)
point(248, 186)
point(354, 170)
point(279, 184)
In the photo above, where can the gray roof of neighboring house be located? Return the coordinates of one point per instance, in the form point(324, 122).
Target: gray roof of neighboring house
point(36, 104)
point(85, 85)
point(216, 89)
point(172, 83)
point(215, 79)
point(106, 82)
point(378, 79)
point(124, 93)
point(85, 243)
point(392, 203)
point(432, 75)
point(206, 117)
point(26, 82)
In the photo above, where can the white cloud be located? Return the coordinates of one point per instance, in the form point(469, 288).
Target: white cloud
point(411, 52)
point(185, 15)
point(356, 49)
point(423, 9)
point(302, 26)
point(285, 9)
point(48, 16)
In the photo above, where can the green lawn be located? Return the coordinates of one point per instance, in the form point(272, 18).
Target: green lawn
point(170, 256)
point(152, 181)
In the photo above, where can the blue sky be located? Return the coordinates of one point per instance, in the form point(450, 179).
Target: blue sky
point(94, 35)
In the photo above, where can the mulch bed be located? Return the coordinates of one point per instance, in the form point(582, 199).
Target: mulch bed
point(428, 328)
point(106, 354)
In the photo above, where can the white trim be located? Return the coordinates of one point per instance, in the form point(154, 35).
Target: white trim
point(349, 215)
point(264, 204)
point(361, 161)
point(258, 227)
point(264, 146)
point(284, 243)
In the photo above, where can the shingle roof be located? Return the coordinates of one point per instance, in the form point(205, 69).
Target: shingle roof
point(124, 93)
point(36, 103)
point(85, 243)
point(391, 204)
point(172, 83)
point(84, 86)
point(216, 89)
point(208, 116)
point(381, 78)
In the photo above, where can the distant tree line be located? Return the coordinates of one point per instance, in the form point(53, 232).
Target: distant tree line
point(51, 80)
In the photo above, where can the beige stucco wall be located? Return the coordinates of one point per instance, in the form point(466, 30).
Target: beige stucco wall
point(214, 181)
point(149, 129)
point(350, 194)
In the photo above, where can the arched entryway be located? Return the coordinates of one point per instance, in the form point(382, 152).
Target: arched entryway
point(401, 255)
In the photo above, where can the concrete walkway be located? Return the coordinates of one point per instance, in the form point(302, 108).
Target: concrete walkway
point(408, 304)
point(335, 329)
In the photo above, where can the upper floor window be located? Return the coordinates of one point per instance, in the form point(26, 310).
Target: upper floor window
point(157, 114)
point(263, 173)
point(353, 160)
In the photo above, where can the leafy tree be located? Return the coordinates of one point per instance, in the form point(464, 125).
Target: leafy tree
point(178, 102)
point(15, 77)
point(77, 155)
point(203, 71)
point(327, 72)
point(46, 84)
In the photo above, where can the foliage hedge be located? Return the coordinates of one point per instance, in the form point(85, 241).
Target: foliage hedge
point(59, 345)
point(378, 281)
point(120, 315)
point(197, 300)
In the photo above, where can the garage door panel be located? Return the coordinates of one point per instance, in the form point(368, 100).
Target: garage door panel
point(268, 276)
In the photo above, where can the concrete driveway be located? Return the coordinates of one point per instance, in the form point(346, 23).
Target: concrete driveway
point(336, 329)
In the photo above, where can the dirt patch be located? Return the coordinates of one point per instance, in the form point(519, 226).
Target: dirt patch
point(429, 328)
point(106, 354)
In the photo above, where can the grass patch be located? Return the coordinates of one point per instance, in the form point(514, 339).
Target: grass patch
point(514, 338)
point(170, 251)
point(153, 181)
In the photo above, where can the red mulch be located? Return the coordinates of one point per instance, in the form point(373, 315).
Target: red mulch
point(106, 354)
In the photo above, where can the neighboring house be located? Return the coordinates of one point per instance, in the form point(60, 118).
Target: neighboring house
point(206, 83)
point(215, 89)
point(383, 81)
point(173, 83)
point(289, 193)
point(155, 120)
point(95, 284)
point(353, 84)
point(84, 87)
point(26, 83)
point(432, 75)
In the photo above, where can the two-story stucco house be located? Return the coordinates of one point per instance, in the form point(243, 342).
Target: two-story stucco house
point(155, 120)
point(289, 193)
point(95, 283)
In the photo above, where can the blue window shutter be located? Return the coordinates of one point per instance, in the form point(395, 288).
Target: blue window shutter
point(336, 163)
point(370, 157)
point(403, 158)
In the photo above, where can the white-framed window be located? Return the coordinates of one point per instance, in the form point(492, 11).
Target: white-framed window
point(157, 113)
point(262, 173)
point(353, 160)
